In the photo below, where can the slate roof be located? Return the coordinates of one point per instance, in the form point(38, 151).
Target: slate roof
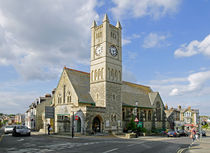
point(131, 92)
point(81, 83)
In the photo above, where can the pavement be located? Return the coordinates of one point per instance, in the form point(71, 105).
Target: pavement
point(200, 146)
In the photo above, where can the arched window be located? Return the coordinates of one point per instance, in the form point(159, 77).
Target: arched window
point(112, 74)
point(158, 111)
point(123, 110)
point(108, 73)
point(102, 73)
point(138, 113)
point(149, 115)
point(59, 98)
point(97, 96)
point(145, 115)
point(119, 76)
point(95, 75)
point(64, 94)
point(99, 73)
point(116, 76)
point(69, 97)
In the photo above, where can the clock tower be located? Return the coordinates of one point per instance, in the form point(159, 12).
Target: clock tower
point(106, 70)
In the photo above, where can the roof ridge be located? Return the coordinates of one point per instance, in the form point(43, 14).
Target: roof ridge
point(136, 84)
point(76, 70)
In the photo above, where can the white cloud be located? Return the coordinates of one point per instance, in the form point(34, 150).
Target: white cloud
point(15, 102)
point(40, 37)
point(196, 83)
point(126, 41)
point(129, 39)
point(194, 47)
point(154, 40)
point(174, 92)
point(136, 8)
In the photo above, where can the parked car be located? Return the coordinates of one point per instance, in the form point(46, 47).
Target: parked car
point(9, 129)
point(21, 130)
point(173, 134)
point(203, 133)
point(182, 133)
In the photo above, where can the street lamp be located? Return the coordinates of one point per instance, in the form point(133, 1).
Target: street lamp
point(72, 134)
point(136, 109)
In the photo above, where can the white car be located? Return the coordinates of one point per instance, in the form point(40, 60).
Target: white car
point(9, 129)
point(21, 130)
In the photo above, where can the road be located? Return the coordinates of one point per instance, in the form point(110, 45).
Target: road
point(51, 144)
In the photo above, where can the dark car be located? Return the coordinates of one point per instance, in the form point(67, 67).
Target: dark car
point(182, 133)
point(203, 133)
point(21, 130)
point(173, 134)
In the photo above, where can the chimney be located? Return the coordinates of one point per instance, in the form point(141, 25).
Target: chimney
point(47, 95)
point(53, 91)
point(166, 107)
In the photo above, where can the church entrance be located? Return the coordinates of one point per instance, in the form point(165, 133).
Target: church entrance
point(96, 127)
point(79, 125)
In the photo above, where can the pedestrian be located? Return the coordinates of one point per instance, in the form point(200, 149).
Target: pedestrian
point(14, 132)
point(48, 128)
point(193, 133)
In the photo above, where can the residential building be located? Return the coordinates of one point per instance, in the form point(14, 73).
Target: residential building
point(179, 118)
point(41, 103)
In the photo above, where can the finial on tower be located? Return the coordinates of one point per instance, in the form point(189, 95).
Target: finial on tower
point(106, 19)
point(118, 25)
point(94, 24)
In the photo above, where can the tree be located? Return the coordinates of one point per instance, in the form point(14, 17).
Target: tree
point(132, 125)
point(205, 126)
point(5, 121)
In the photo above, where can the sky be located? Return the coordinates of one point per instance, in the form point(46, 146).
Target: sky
point(166, 45)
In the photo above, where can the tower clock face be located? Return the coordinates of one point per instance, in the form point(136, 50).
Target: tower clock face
point(113, 51)
point(98, 50)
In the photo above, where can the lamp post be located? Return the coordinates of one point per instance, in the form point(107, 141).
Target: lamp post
point(200, 128)
point(72, 134)
point(136, 109)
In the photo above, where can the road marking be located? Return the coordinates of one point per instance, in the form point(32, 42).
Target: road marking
point(131, 145)
point(1, 137)
point(111, 150)
point(20, 140)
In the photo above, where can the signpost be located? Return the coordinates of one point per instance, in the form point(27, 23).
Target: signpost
point(72, 134)
point(49, 112)
point(140, 124)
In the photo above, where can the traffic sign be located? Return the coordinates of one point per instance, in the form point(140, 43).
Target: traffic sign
point(140, 124)
point(76, 117)
point(136, 119)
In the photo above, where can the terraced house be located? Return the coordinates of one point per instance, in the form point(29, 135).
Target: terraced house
point(100, 101)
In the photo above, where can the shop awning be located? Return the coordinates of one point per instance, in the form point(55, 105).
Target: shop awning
point(189, 125)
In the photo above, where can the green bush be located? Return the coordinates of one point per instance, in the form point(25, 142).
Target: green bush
point(131, 125)
point(142, 130)
point(205, 126)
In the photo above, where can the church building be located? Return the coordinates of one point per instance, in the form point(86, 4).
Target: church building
point(100, 101)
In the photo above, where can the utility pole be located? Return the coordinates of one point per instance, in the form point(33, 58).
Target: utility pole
point(200, 128)
point(72, 134)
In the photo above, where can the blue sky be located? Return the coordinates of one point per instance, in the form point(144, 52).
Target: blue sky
point(166, 45)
